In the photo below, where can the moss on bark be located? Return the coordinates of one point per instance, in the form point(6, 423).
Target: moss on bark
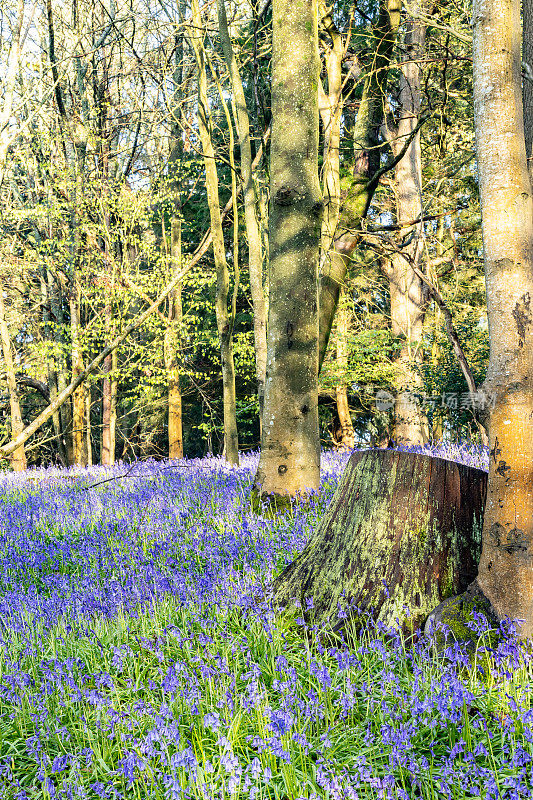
point(402, 532)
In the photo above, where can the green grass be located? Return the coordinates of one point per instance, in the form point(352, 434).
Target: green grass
point(95, 689)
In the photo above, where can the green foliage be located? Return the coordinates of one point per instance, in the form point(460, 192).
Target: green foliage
point(98, 214)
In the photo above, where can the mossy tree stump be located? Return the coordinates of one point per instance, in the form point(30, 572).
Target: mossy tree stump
point(402, 530)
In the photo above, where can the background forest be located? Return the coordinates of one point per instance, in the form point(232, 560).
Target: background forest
point(103, 200)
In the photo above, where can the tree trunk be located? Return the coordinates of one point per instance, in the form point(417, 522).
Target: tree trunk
point(79, 448)
point(108, 400)
point(506, 566)
point(331, 106)
point(109, 409)
point(408, 294)
point(51, 366)
point(527, 82)
point(343, 409)
point(172, 335)
point(402, 529)
point(60, 367)
point(79, 441)
point(88, 430)
point(109, 383)
point(18, 459)
point(65, 410)
point(171, 346)
point(225, 333)
point(255, 258)
point(290, 446)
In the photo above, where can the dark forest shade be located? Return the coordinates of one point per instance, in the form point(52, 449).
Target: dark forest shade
point(409, 520)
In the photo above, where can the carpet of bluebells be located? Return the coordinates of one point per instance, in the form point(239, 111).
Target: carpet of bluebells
point(140, 657)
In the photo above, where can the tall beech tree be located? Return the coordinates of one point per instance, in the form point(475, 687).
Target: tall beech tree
point(173, 330)
point(527, 82)
point(253, 234)
point(408, 294)
point(224, 323)
point(331, 107)
point(505, 573)
point(290, 444)
point(171, 347)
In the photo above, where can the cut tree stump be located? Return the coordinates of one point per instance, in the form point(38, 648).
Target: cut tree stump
point(402, 530)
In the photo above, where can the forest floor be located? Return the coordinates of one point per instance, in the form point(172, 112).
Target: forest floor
point(139, 656)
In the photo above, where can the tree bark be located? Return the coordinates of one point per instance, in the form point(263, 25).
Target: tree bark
point(225, 332)
point(331, 107)
point(64, 411)
point(18, 458)
point(290, 446)
point(402, 530)
point(108, 409)
point(408, 294)
point(171, 348)
point(255, 256)
point(79, 442)
point(109, 383)
point(49, 390)
point(88, 429)
point(527, 82)
point(341, 393)
point(506, 566)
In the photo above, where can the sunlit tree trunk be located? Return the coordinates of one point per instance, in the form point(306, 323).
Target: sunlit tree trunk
point(60, 368)
point(18, 458)
point(172, 335)
point(88, 430)
point(109, 409)
point(171, 347)
point(79, 442)
point(341, 393)
point(331, 105)
point(290, 446)
point(109, 383)
point(408, 295)
point(65, 410)
point(506, 566)
point(225, 332)
point(46, 302)
point(109, 403)
point(255, 259)
point(527, 81)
